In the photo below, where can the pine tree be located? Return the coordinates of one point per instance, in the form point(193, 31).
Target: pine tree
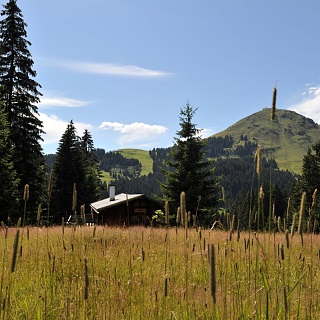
point(92, 168)
point(309, 183)
point(188, 170)
point(69, 171)
point(8, 180)
point(20, 95)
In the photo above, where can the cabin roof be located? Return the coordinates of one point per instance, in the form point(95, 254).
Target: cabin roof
point(118, 199)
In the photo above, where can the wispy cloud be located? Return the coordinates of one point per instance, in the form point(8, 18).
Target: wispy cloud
point(58, 101)
point(54, 128)
point(137, 132)
point(309, 103)
point(112, 69)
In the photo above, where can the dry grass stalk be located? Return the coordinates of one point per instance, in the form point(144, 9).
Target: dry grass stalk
point(261, 193)
point(50, 184)
point(259, 161)
point(238, 230)
point(26, 193)
point(223, 195)
point(232, 224)
point(86, 280)
point(279, 224)
point(301, 214)
point(274, 101)
point(293, 224)
point(15, 251)
point(83, 214)
point(74, 197)
point(178, 217)
point(165, 286)
point(25, 199)
point(314, 198)
point(166, 210)
point(189, 215)
point(213, 284)
point(282, 251)
point(287, 239)
point(39, 214)
point(183, 208)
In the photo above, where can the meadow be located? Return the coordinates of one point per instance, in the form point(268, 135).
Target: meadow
point(157, 273)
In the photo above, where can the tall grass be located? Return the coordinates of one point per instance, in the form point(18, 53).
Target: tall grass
point(140, 273)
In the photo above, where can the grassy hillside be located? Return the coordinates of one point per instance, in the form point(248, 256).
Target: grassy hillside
point(142, 155)
point(289, 135)
point(286, 139)
point(105, 177)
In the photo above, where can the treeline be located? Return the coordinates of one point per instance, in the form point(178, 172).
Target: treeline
point(21, 160)
point(223, 147)
point(29, 191)
point(238, 178)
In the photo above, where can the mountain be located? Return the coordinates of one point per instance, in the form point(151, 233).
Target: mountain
point(285, 139)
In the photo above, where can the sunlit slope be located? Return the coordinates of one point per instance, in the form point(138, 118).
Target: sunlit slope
point(142, 155)
point(289, 135)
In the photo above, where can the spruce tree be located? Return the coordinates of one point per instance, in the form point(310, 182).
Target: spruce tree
point(20, 95)
point(69, 171)
point(8, 178)
point(92, 169)
point(309, 183)
point(188, 170)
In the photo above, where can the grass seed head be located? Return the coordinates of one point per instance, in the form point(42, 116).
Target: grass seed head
point(301, 214)
point(183, 207)
point(74, 197)
point(178, 217)
point(259, 161)
point(274, 101)
point(26, 193)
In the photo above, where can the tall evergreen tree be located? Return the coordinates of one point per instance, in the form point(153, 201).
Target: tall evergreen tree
point(92, 169)
point(8, 178)
point(309, 183)
point(68, 171)
point(20, 95)
point(188, 170)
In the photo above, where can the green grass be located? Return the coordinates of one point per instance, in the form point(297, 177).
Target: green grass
point(105, 177)
point(148, 273)
point(142, 155)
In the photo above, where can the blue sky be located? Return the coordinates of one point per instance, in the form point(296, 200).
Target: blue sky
point(123, 69)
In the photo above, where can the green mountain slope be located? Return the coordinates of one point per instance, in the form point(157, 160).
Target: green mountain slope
point(286, 139)
point(143, 157)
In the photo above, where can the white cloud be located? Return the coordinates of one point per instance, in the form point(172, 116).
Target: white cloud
point(54, 127)
point(136, 132)
point(57, 101)
point(112, 69)
point(309, 106)
point(206, 132)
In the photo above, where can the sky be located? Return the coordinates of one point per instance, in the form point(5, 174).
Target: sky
point(123, 69)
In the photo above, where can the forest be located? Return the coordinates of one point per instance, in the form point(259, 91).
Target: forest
point(236, 173)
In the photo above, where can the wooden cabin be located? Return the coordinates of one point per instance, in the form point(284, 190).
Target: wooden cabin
point(125, 209)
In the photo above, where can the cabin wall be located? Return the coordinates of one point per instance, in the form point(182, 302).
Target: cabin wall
point(138, 212)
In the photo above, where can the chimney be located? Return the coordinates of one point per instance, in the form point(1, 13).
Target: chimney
point(112, 191)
